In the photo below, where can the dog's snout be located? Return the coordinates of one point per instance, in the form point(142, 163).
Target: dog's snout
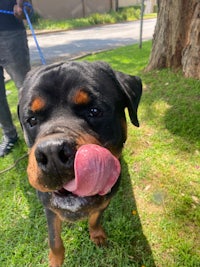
point(54, 155)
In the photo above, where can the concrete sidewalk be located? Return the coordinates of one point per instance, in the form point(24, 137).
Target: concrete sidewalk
point(68, 45)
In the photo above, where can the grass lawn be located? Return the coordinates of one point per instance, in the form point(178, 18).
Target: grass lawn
point(154, 219)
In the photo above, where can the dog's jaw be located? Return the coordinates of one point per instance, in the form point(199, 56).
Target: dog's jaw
point(68, 202)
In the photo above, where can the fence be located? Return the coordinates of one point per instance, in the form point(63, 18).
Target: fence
point(62, 9)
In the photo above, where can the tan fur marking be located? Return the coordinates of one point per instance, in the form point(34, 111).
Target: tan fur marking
point(81, 97)
point(34, 172)
point(89, 139)
point(85, 139)
point(97, 233)
point(57, 251)
point(37, 104)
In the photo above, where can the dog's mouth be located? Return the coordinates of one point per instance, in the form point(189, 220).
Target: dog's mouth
point(72, 203)
point(95, 174)
point(62, 192)
point(96, 171)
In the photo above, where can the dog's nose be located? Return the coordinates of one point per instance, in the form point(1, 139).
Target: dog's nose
point(54, 156)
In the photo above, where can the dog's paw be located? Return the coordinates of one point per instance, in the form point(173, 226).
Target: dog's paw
point(56, 259)
point(98, 236)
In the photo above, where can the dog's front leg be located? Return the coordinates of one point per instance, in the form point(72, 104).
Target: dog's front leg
point(57, 250)
point(97, 233)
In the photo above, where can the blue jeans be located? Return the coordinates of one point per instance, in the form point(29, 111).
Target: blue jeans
point(14, 58)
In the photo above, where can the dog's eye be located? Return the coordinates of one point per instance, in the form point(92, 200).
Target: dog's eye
point(95, 113)
point(32, 121)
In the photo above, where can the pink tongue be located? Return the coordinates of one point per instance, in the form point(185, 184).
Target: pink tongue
point(96, 171)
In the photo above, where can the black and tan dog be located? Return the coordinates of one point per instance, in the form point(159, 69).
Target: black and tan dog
point(63, 107)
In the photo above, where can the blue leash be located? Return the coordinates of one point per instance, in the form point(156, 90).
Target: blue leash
point(32, 30)
point(25, 5)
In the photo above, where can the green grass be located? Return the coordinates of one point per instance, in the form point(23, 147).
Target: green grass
point(125, 14)
point(154, 219)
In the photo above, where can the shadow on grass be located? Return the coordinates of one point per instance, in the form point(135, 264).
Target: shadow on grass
point(126, 228)
point(181, 105)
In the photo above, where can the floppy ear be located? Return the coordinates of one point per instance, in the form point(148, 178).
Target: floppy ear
point(132, 89)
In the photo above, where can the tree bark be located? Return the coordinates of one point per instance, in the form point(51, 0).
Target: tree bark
point(176, 40)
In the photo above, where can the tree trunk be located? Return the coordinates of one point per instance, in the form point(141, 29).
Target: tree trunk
point(176, 41)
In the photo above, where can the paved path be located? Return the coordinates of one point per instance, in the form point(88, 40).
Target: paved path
point(73, 43)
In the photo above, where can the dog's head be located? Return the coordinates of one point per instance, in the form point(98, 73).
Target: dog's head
point(64, 106)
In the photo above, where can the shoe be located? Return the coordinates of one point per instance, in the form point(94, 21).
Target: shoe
point(7, 145)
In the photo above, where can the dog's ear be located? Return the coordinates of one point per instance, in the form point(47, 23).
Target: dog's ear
point(131, 87)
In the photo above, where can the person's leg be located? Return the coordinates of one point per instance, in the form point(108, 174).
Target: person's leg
point(14, 57)
point(5, 114)
point(19, 60)
point(9, 130)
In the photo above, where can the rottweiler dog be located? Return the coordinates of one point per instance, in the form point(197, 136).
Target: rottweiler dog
point(73, 118)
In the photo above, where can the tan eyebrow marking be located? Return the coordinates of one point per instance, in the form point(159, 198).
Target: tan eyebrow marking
point(81, 97)
point(37, 104)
